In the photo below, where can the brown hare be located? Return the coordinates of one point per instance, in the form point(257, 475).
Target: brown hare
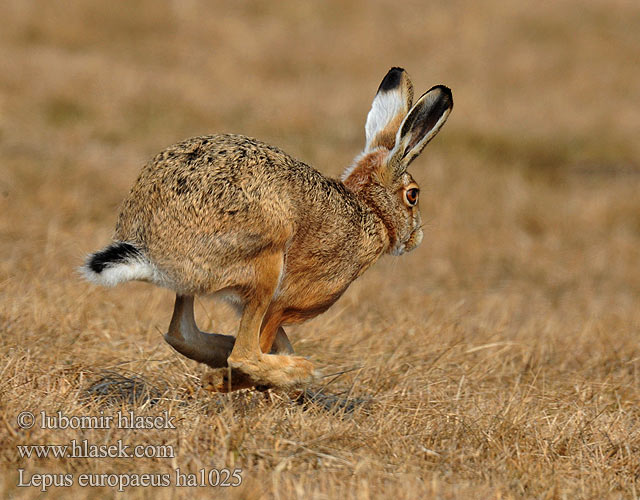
point(230, 215)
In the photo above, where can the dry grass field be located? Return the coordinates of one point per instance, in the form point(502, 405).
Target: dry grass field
point(499, 360)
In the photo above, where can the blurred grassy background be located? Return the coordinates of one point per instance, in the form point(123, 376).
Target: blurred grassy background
point(506, 346)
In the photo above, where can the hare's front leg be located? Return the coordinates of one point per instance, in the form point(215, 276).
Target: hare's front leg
point(226, 380)
point(247, 356)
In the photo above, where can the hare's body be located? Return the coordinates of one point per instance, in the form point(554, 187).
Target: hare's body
point(226, 214)
point(201, 211)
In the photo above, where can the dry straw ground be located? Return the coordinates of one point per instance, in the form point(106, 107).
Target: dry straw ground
point(498, 360)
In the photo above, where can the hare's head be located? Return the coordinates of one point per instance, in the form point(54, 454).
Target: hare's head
point(396, 133)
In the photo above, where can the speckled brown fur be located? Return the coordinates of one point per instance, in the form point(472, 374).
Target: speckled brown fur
point(230, 214)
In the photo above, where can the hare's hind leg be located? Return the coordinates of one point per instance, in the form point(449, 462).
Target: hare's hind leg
point(184, 336)
point(212, 349)
point(247, 356)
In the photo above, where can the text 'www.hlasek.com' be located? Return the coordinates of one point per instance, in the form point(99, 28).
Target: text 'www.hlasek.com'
point(82, 448)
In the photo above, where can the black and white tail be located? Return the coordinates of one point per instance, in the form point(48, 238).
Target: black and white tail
point(117, 263)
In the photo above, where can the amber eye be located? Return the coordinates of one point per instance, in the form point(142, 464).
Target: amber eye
point(411, 196)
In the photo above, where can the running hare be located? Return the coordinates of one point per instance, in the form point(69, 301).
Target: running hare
point(226, 214)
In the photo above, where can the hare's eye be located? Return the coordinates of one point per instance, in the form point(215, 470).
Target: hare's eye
point(411, 196)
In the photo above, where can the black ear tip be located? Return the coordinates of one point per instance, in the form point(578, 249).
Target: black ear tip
point(391, 80)
point(445, 91)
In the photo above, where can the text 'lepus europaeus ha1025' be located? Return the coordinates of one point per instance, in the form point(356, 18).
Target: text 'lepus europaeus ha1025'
point(230, 215)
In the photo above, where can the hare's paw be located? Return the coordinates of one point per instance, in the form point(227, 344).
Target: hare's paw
point(225, 380)
point(289, 370)
point(276, 370)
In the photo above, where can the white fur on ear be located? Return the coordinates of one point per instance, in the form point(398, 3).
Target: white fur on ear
point(386, 106)
point(391, 103)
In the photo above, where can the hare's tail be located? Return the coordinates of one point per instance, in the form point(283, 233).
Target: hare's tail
point(117, 263)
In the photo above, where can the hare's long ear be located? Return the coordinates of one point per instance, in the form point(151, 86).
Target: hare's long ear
point(421, 125)
point(390, 105)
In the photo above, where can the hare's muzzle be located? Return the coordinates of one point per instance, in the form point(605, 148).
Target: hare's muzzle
point(414, 240)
